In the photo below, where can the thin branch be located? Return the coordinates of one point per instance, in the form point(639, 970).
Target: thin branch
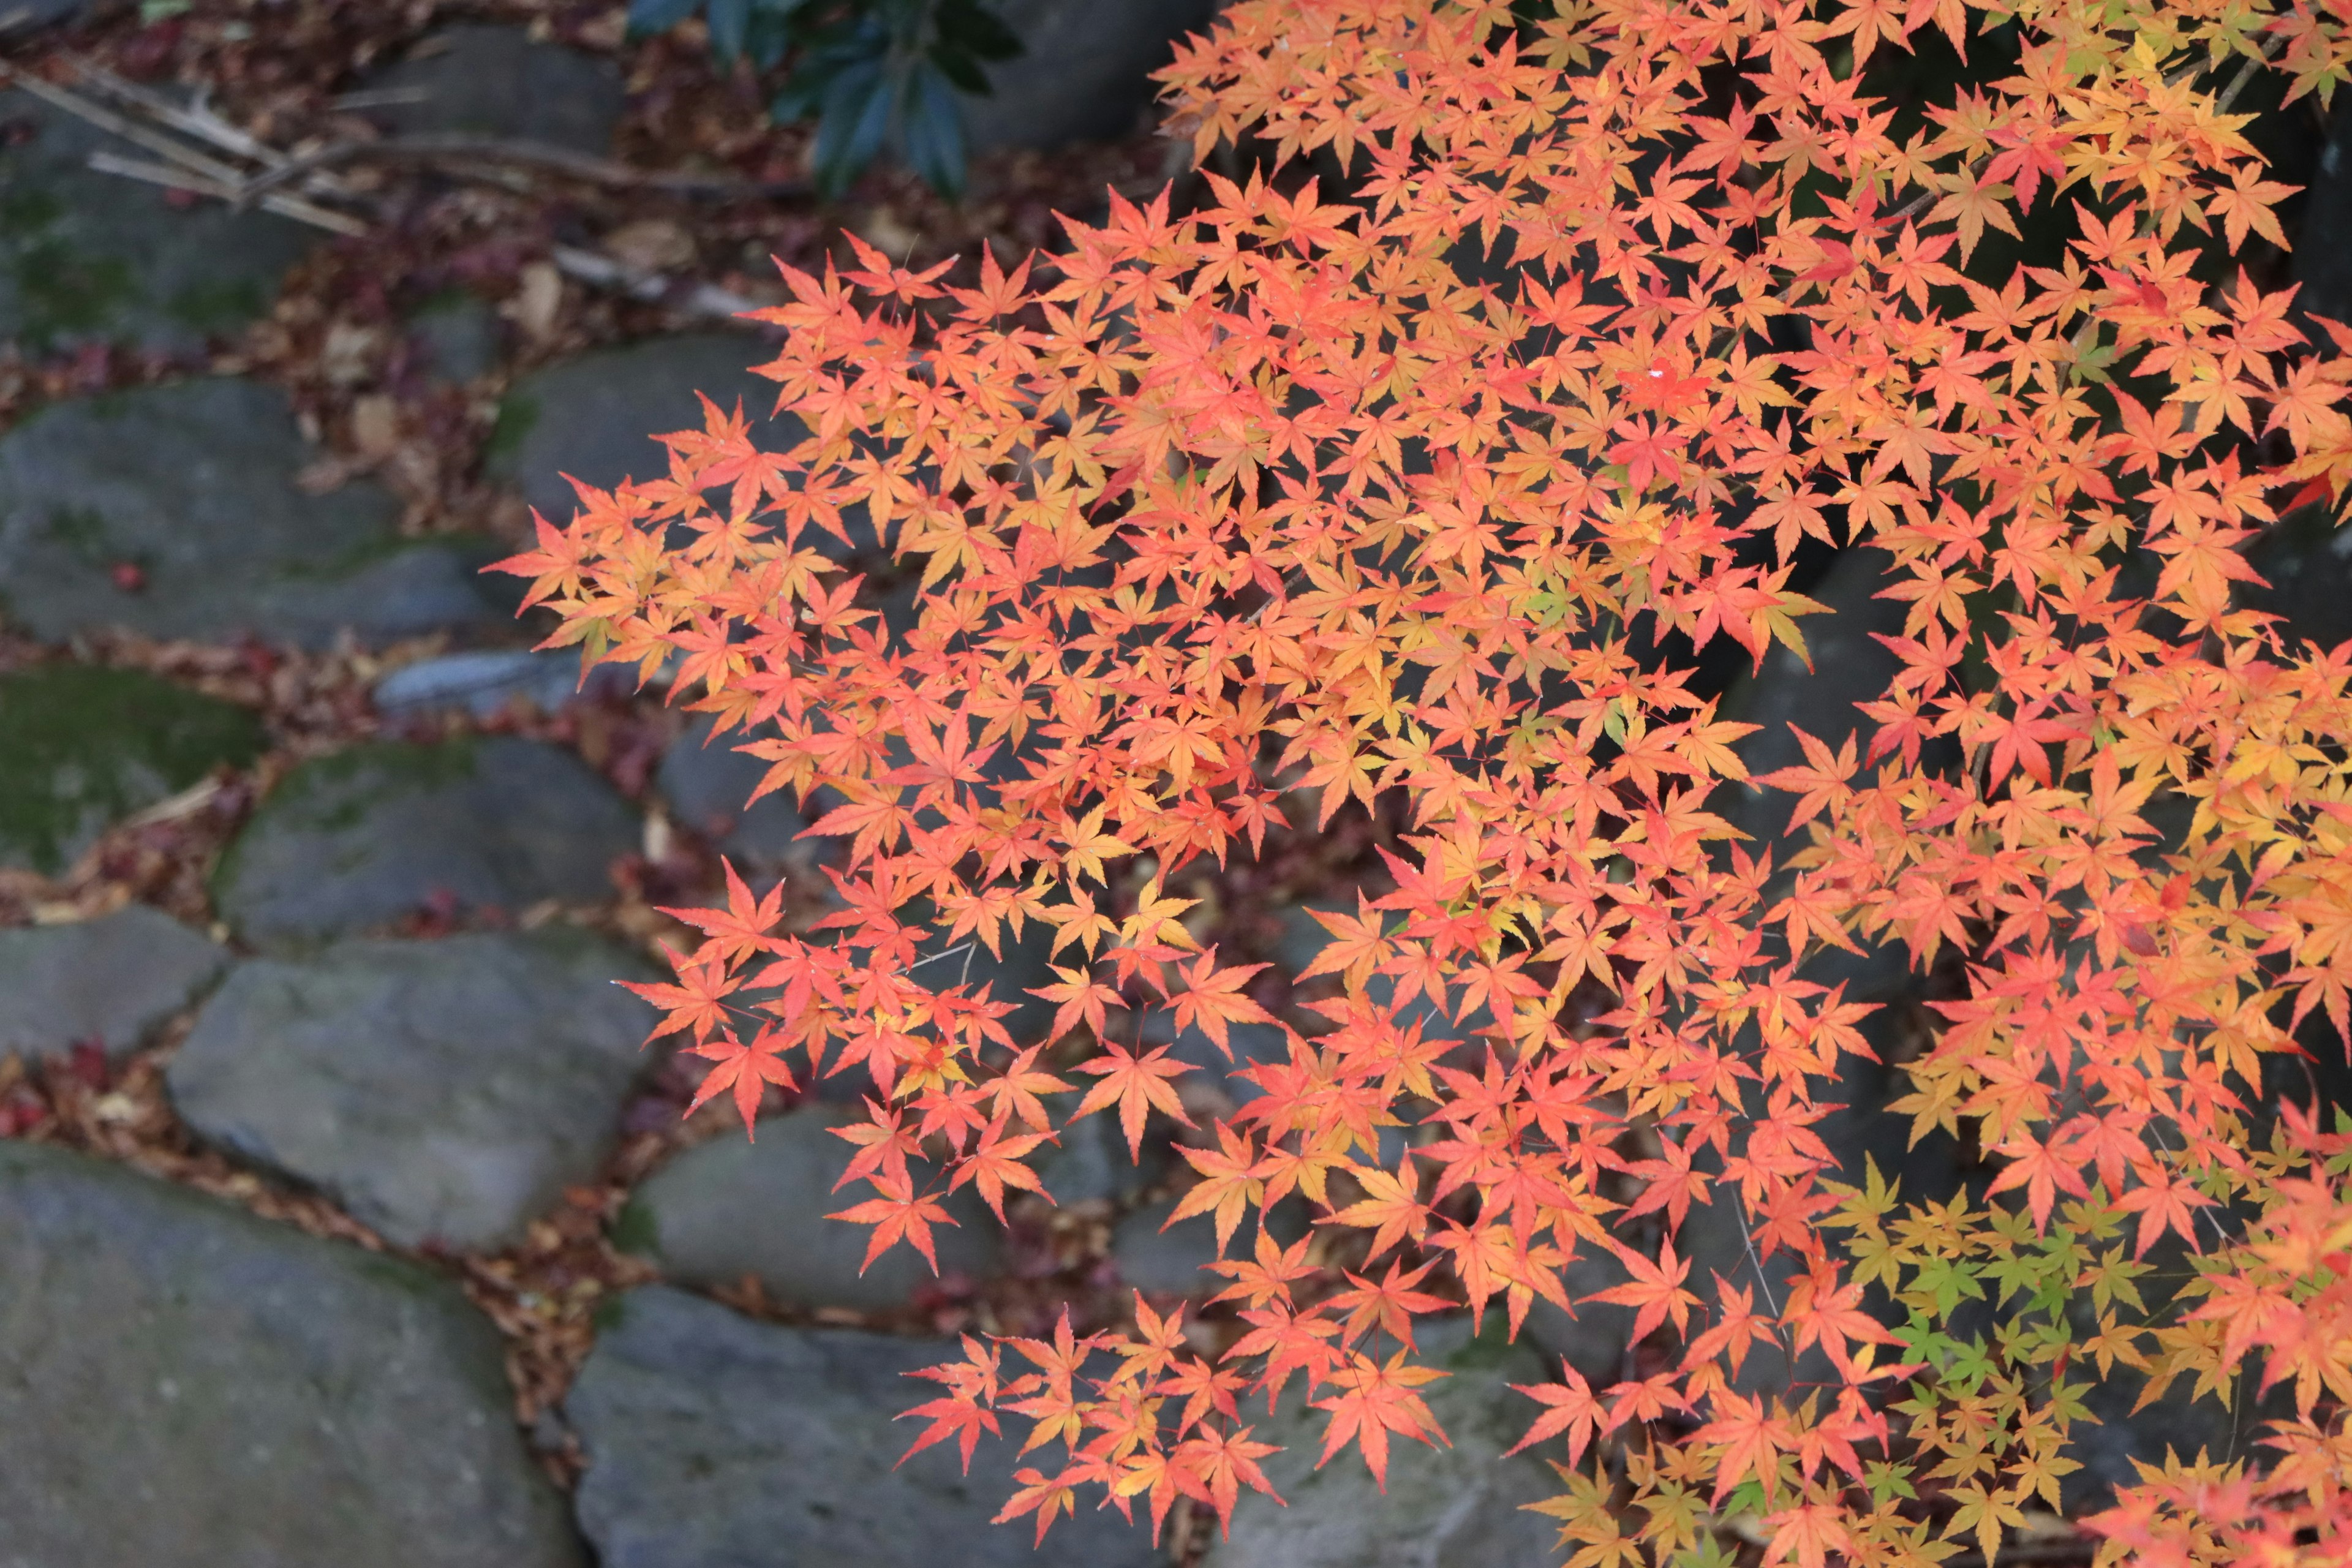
point(189, 119)
point(130, 131)
point(439, 147)
point(165, 174)
point(595, 267)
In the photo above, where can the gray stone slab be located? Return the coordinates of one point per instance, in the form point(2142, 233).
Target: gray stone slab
point(362, 837)
point(594, 416)
point(190, 1386)
point(193, 484)
point(486, 79)
point(1084, 73)
point(82, 747)
point(731, 1207)
point(707, 782)
point(486, 681)
point(1092, 1164)
point(1444, 1508)
point(1850, 667)
point(1163, 1260)
point(458, 334)
point(2305, 561)
point(444, 1090)
point(714, 1441)
point(111, 980)
point(87, 256)
point(29, 14)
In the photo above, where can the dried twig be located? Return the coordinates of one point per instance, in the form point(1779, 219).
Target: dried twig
point(165, 174)
point(452, 147)
point(189, 119)
point(593, 266)
point(130, 131)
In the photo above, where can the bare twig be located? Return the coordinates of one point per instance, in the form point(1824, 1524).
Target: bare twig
point(452, 147)
point(165, 174)
point(130, 131)
point(189, 120)
point(703, 299)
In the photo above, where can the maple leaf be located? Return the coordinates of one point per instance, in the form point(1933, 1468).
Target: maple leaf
point(1270, 496)
point(1213, 999)
point(1808, 1532)
point(1753, 1438)
point(1039, 1494)
point(1376, 1399)
point(1225, 1462)
point(994, 1164)
point(1571, 1409)
point(745, 1069)
point(699, 1004)
point(1082, 1000)
point(1392, 1208)
point(1654, 1292)
point(1136, 1084)
point(1230, 1183)
point(900, 1214)
point(2043, 1170)
point(962, 1413)
point(1388, 1306)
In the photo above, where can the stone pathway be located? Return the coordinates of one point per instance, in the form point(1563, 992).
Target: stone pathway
point(392, 1001)
point(712, 1440)
point(395, 995)
point(174, 511)
point(189, 1384)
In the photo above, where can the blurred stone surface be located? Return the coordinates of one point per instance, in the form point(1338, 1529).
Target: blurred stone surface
point(174, 510)
point(2307, 561)
point(82, 747)
point(441, 1090)
point(595, 416)
point(87, 256)
point(187, 1385)
point(1457, 1507)
point(486, 79)
point(488, 681)
point(707, 782)
point(381, 830)
point(1085, 72)
point(731, 1207)
point(458, 334)
point(111, 982)
point(715, 1441)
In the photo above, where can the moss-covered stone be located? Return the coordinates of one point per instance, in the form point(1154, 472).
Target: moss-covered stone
point(360, 838)
point(87, 256)
point(443, 1091)
point(81, 748)
point(195, 483)
point(187, 1382)
point(595, 418)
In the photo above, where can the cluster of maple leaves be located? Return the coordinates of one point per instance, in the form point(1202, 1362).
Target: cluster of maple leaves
point(1280, 495)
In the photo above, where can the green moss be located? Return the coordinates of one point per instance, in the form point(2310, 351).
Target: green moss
point(636, 1231)
point(347, 562)
point(26, 210)
point(1490, 1349)
point(81, 748)
point(64, 292)
point(217, 306)
point(82, 533)
point(517, 416)
point(60, 292)
point(408, 1278)
point(326, 787)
